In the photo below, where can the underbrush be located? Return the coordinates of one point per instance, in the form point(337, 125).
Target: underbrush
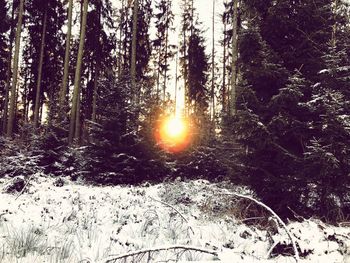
point(195, 220)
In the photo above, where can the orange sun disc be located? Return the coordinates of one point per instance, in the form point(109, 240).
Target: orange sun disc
point(173, 134)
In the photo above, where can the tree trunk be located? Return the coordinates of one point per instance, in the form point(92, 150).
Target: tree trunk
point(176, 66)
point(96, 73)
point(213, 66)
point(40, 70)
point(224, 103)
point(334, 29)
point(11, 118)
point(77, 77)
point(8, 73)
point(133, 50)
point(166, 57)
point(63, 91)
point(233, 99)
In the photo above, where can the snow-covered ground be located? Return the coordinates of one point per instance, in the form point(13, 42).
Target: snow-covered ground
point(79, 223)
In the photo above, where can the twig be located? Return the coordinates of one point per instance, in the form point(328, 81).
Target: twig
point(111, 259)
point(296, 253)
point(177, 211)
point(271, 248)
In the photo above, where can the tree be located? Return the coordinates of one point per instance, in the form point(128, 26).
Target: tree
point(165, 51)
point(63, 91)
point(285, 122)
point(233, 98)
point(73, 124)
point(40, 67)
point(5, 60)
point(133, 49)
point(13, 98)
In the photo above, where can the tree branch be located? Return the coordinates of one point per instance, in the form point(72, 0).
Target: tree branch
point(112, 259)
point(296, 253)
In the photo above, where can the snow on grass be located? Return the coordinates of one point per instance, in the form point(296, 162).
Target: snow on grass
point(80, 223)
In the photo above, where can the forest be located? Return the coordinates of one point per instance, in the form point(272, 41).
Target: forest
point(184, 97)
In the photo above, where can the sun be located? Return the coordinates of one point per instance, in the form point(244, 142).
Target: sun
point(173, 134)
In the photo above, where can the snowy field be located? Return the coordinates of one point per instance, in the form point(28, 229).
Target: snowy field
point(63, 221)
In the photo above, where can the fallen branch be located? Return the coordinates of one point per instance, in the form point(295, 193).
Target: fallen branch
point(271, 249)
point(24, 187)
point(296, 253)
point(177, 211)
point(112, 258)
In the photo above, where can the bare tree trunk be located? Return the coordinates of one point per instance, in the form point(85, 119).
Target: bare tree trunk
point(120, 61)
point(25, 100)
point(63, 91)
point(334, 30)
point(11, 118)
point(224, 103)
point(40, 70)
point(213, 67)
point(96, 73)
point(77, 121)
point(176, 66)
point(77, 77)
point(8, 73)
point(158, 73)
point(166, 51)
point(133, 50)
point(233, 99)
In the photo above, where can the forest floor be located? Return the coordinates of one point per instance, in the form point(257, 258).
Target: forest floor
point(56, 220)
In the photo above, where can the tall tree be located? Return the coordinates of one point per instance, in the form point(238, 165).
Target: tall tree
point(164, 21)
point(5, 59)
point(212, 92)
point(13, 97)
point(40, 68)
point(76, 92)
point(233, 98)
point(133, 49)
point(64, 86)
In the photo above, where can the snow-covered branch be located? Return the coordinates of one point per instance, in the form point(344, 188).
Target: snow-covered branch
point(112, 259)
point(296, 253)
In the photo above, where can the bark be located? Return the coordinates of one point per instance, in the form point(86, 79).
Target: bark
point(8, 73)
point(133, 50)
point(233, 99)
point(97, 74)
point(77, 77)
point(40, 70)
point(213, 66)
point(11, 118)
point(334, 29)
point(63, 91)
point(176, 66)
point(224, 103)
point(166, 53)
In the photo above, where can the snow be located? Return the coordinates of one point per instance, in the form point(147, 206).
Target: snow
point(77, 222)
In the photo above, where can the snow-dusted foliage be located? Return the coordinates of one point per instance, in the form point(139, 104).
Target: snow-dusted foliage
point(173, 221)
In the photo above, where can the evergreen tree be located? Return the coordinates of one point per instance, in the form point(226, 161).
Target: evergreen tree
point(13, 97)
point(43, 54)
point(74, 124)
point(164, 50)
point(4, 59)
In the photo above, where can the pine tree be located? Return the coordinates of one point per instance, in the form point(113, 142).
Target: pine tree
point(74, 125)
point(165, 51)
point(40, 67)
point(5, 61)
point(63, 90)
point(133, 49)
point(13, 98)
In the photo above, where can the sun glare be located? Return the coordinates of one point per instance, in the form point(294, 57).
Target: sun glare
point(173, 134)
